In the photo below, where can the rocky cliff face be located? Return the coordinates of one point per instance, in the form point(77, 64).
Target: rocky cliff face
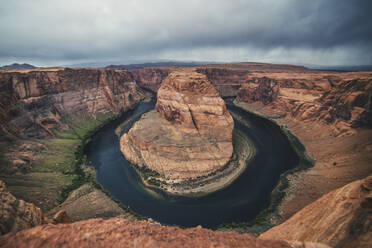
point(341, 101)
point(188, 135)
point(45, 116)
point(338, 99)
point(341, 218)
point(39, 103)
point(34, 103)
point(16, 215)
point(119, 232)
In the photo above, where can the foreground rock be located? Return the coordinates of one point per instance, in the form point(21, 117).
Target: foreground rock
point(119, 232)
point(188, 135)
point(341, 218)
point(16, 215)
point(89, 202)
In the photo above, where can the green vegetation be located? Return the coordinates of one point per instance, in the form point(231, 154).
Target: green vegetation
point(65, 153)
point(56, 169)
point(58, 156)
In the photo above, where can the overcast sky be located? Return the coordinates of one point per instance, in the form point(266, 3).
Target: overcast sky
point(52, 32)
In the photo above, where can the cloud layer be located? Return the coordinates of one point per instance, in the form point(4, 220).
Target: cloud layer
point(53, 32)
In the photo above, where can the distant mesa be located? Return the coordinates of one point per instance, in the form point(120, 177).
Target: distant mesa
point(17, 66)
point(188, 135)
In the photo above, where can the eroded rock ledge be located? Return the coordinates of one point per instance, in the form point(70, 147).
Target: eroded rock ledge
point(188, 135)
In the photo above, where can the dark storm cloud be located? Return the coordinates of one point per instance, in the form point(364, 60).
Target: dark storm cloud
point(57, 32)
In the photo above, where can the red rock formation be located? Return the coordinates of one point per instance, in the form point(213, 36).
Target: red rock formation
point(119, 232)
point(16, 215)
point(339, 99)
point(341, 218)
point(32, 103)
point(341, 103)
point(189, 134)
point(37, 103)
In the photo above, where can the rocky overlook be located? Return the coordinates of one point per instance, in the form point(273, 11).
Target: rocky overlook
point(119, 232)
point(188, 135)
point(341, 218)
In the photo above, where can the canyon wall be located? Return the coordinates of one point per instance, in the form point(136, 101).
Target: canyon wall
point(336, 100)
point(340, 99)
point(33, 103)
point(46, 115)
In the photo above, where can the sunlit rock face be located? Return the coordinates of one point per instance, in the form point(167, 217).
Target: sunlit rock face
point(189, 134)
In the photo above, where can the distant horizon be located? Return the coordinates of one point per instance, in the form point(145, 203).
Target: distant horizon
point(106, 64)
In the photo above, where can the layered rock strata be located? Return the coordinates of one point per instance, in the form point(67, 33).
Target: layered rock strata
point(188, 135)
point(33, 103)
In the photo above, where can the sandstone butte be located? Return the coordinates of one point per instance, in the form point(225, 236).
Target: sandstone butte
point(188, 135)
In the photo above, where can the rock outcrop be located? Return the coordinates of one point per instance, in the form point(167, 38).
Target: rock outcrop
point(16, 215)
point(188, 135)
point(341, 218)
point(118, 232)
